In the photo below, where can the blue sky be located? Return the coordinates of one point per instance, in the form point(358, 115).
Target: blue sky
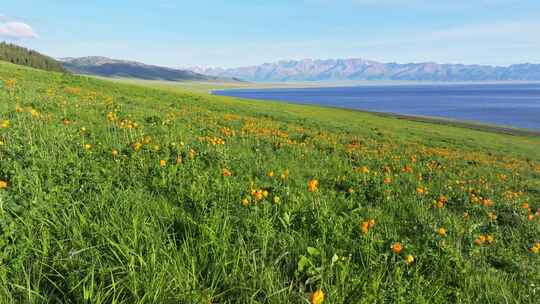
point(238, 33)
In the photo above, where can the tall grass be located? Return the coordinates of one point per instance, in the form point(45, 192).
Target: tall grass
point(122, 194)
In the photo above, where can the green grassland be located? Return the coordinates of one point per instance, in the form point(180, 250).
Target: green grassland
point(117, 193)
point(208, 86)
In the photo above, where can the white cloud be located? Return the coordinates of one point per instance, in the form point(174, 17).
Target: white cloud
point(16, 30)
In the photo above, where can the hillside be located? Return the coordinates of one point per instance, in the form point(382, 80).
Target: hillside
point(106, 67)
point(23, 56)
point(359, 69)
point(114, 193)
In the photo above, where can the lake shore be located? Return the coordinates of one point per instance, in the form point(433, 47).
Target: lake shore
point(508, 108)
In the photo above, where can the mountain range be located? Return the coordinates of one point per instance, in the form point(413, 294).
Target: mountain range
point(107, 67)
point(360, 69)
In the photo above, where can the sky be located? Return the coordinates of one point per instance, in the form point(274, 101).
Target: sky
point(232, 33)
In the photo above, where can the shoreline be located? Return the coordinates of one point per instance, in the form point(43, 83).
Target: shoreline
point(474, 125)
point(360, 83)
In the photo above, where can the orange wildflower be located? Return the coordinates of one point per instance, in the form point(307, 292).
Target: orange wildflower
point(366, 225)
point(396, 248)
point(441, 232)
point(317, 297)
point(313, 185)
point(487, 202)
point(227, 172)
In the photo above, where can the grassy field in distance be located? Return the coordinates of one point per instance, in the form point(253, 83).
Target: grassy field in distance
point(120, 193)
point(208, 87)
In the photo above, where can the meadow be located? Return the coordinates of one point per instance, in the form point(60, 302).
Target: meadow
point(117, 193)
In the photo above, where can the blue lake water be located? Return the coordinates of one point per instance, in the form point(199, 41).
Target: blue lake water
point(516, 105)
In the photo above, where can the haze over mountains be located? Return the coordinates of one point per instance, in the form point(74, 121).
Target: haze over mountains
point(107, 67)
point(360, 69)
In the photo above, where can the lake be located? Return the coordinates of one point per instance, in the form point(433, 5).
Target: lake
point(516, 105)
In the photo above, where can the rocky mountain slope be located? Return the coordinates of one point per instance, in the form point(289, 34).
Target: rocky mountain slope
point(360, 69)
point(107, 67)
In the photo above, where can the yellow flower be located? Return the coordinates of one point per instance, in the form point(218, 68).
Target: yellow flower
point(191, 154)
point(441, 232)
point(114, 152)
point(317, 297)
point(285, 174)
point(162, 163)
point(396, 248)
point(227, 172)
point(4, 124)
point(136, 146)
point(483, 239)
point(245, 202)
point(270, 174)
point(3, 184)
point(147, 139)
point(87, 146)
point(313, 185)
point(277, 200)
point(10, 84)
point(409, 259)
point(34, 113)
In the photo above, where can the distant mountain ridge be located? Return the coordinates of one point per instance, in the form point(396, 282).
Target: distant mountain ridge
point(360, 69)
point(107, 67)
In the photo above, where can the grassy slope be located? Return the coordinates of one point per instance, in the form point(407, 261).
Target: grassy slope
point(80, 224)
point(194, 86)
